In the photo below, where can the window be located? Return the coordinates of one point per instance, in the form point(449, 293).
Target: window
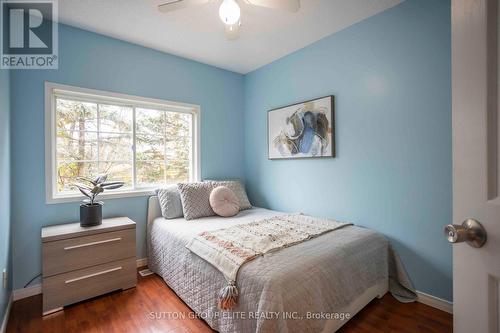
point(144, 142)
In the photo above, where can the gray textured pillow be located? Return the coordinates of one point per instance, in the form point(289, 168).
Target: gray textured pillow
point(170, 201)
point(237, 188)
point(195, 198)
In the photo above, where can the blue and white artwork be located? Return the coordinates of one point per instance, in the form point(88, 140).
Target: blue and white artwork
point(302, 130)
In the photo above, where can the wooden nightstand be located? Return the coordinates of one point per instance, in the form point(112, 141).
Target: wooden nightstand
point(80, 263)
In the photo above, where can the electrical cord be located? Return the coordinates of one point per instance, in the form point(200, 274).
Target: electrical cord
point(27, 284)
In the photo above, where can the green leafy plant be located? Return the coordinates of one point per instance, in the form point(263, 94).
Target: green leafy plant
point(92, 188)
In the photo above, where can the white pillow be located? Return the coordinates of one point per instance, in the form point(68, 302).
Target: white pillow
point(170, 202)
point(237, 188)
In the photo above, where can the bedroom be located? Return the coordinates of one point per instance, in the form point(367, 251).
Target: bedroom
point(156, 95)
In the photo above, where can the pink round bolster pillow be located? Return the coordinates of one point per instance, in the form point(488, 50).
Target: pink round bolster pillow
point(224, 202)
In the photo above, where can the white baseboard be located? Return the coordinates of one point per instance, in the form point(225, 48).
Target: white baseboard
point(27, 292)
point(36, 289)
point(435, 302)
point(142, 262)
point(5, 319)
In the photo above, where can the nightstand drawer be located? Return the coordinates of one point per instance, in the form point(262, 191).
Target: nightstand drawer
point(75, 253)
point(85, 283)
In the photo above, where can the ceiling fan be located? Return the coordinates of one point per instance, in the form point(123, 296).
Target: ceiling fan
point(229, 10)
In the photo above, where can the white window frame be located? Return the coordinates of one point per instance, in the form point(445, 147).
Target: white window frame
point(54, 89)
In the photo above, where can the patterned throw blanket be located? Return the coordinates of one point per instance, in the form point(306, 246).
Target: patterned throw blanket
point(228, 249)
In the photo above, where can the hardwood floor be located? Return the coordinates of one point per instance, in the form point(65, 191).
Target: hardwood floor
point(387, 315)
point(135, 310)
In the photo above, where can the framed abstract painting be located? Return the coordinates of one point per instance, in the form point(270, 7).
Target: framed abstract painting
point(302, 130)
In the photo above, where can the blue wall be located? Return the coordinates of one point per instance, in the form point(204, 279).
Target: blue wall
point(5, 230)
point(391, 77)
point(93, 61)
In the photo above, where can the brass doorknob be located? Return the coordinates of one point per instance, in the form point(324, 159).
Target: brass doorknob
point(471, 231)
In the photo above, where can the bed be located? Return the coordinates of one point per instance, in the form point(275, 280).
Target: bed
point(314, 286)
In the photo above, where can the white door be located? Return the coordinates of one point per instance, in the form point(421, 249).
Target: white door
point(476, 179)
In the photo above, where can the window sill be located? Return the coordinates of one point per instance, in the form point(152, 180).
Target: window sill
point(110, 195)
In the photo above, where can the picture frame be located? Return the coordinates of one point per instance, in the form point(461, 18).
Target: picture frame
point(302, 130)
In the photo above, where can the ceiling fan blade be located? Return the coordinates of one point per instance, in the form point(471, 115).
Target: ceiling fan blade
point(171, 5)
point(290, 5)
point(233, 31)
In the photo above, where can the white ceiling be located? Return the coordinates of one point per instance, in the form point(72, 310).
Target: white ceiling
point(197, 32)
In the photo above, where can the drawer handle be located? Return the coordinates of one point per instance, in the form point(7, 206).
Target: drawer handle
point(93, 274)
point(93, 243)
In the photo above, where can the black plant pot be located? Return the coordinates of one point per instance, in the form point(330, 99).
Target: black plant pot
point(90, 215)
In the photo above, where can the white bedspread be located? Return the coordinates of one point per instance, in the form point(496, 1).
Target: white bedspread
point(322, 275)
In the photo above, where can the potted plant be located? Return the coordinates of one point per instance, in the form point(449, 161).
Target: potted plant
point(90, 210)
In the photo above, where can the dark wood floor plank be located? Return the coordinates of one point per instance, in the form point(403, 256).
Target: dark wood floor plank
point(142, 309)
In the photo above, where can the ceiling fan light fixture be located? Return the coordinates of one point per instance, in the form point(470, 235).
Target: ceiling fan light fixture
point(229, 12)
